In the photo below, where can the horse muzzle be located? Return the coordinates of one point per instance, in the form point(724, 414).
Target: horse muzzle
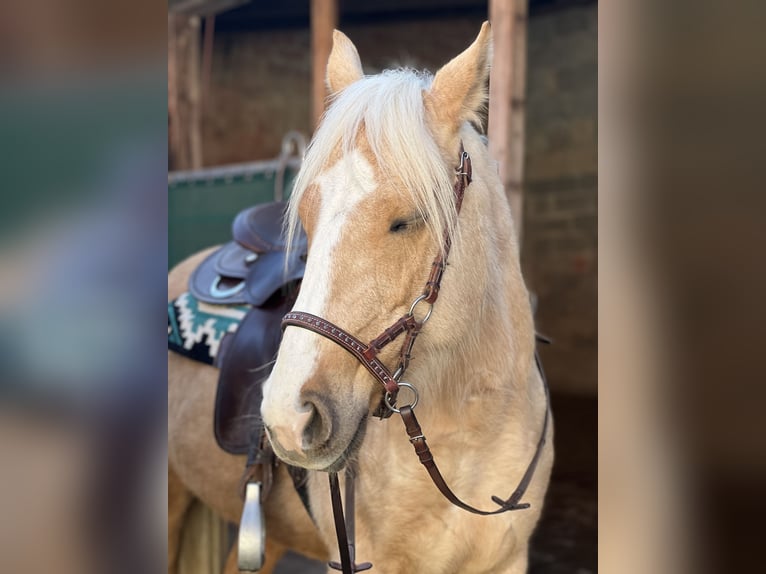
point(314, 437)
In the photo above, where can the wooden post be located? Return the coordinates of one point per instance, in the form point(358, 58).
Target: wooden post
point(184, 91)
point(518, 113)
point(207, 59)
point(174, 123)
point(324, 19)
point(195, 103)
point(506, 99)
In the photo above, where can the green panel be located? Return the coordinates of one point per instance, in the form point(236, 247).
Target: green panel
point(200, 212)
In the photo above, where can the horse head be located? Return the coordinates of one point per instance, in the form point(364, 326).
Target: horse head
point(375, 197)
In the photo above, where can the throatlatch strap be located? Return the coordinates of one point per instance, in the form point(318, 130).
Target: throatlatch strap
point(418, 440)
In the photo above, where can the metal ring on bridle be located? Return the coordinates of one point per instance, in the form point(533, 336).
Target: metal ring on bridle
point(415, 304)
point(387, 398)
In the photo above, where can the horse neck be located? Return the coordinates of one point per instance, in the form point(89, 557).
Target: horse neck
point(492, 360)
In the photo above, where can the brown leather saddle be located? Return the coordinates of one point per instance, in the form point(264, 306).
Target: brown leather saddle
point(252, 269)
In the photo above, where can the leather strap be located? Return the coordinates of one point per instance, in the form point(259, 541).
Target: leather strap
point(260, 464)
point(345, 525)
point(340, 527)
point(464, 172)
point(530, 472)
point(513, 502)
point(347, 342)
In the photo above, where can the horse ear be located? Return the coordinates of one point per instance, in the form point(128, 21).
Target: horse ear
point(459, 89)
point(344, 67)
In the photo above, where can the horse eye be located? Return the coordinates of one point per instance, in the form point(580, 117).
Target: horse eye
point(399, 225)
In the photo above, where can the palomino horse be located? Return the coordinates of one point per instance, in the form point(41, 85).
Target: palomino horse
point(377, 197)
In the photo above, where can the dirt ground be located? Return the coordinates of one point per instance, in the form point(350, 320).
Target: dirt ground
point(566, 539)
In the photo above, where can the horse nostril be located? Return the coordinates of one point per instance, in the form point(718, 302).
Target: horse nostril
point(317, 429)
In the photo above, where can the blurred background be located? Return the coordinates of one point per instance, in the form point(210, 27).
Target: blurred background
point(244, 74)
point(83, 266)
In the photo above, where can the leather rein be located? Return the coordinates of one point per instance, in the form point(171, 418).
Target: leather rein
point(367, 355)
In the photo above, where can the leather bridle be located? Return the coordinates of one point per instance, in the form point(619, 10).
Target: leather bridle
point(367, 355)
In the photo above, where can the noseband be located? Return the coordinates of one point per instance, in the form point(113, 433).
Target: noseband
point(367, 355)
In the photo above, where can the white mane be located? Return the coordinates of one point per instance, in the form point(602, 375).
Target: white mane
point(389, 107)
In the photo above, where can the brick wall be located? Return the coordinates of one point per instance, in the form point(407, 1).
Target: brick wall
point(261, 80)
point(260, 89)
point(560, 229)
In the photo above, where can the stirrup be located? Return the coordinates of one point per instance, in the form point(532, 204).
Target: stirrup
point(252, 531)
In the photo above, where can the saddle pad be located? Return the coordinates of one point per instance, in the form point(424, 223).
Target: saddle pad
point(195, 329)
